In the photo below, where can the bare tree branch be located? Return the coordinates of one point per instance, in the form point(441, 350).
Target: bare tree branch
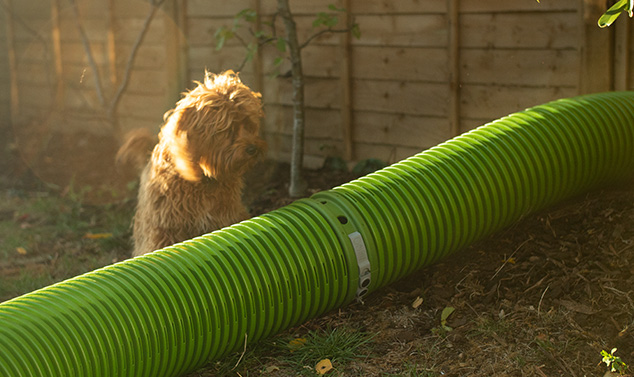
point(91, 59)
point(112, 108)
point(322, 32)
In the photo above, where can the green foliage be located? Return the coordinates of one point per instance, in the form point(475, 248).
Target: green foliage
point(446, 312)
point(614, 363)
point(339, 345)
point(615, 11)
point(246, 19)
point(297, 356)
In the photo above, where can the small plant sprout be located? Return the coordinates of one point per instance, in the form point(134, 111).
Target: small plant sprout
point(614, 363)
point(446, 312)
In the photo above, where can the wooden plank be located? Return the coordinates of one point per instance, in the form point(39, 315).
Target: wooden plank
point(319, 93)
point(630, 80)
point(126, 9)
point(200, 31)
point(257, 65)
point(402, 130)
point(556, 30)
point(494, 101)
point(148, 81)
point(74, 53)
point(317, 60)
point(595, 74)
point(398, 7)
point(88, 10)
point(402, 30)
point(40, 73)
point(401, 63)
point(315, 149)
point(141, 81)
point(14, 88)
point(622, 43)
point(37, 33)
point(34, 96)
point(175, 50)
point(345, 80)
point(520, 67)
point(31, 10)
point(363, 7)
point(81, 121)
point(131, 122)
point(453, 20)
point(212, 9)
point(299, 8)
point(412, 98)
point(494, 6)
point(150, 106)
point(387, 153)
point(148, 56)
point(127, 30)
point(207, 57)
point(111, 43)
point(319, 122)
point(94, 27)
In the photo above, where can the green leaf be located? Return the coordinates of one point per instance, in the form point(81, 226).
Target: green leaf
point(281, 45)
point(278, 61)
point(446, 312)
point(334, 8)
point(221, 35)
point(262, 35)
point(252, 48)
point(356, 31)
point(332, 21)
point(249, 15)
point(320, 19)
point(615, 11)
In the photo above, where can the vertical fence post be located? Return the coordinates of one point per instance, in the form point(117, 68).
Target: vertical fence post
point(622, 59)
point(13, 68)
point(346, 86)
point(453, 15)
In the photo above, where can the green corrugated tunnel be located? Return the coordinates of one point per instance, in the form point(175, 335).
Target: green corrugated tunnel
point(171, 311)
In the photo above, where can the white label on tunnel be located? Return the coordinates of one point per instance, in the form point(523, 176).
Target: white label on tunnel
point(362, 260)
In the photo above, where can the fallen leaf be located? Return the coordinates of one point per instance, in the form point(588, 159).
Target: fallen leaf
point(272, 368)
point(323, 366)
point(296, 344)
point(418, 302)
point(21, 250)
point(97, 236)
point(577, 307)
point(446, 312)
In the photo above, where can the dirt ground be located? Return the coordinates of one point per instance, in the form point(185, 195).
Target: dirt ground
point(541, 298)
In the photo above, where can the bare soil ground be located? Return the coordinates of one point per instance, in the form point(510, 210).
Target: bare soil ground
point(542, 298)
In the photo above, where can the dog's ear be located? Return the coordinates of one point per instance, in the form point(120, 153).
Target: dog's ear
point(176, 134)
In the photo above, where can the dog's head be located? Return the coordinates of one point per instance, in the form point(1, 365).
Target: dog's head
point(213, 131)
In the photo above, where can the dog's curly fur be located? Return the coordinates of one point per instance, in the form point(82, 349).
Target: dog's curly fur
point(193, 181)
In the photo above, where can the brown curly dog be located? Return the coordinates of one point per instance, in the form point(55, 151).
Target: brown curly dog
point(193, 181)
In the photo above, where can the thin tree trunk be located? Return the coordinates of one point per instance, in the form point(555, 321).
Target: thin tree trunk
point(297, 185)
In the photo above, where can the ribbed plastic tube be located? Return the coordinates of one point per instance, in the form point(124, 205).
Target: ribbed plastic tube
point(171, 311)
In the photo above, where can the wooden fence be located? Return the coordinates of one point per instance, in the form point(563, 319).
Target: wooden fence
point(422, 71)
